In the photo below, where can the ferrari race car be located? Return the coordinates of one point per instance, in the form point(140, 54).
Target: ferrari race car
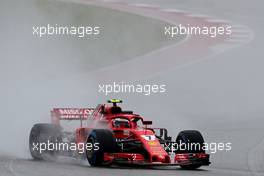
point(108, 135)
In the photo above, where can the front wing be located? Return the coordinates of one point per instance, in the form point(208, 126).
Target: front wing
point(139, 160)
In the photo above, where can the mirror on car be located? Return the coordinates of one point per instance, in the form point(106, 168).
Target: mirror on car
point(147, 122)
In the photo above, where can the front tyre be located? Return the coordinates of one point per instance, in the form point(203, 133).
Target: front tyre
point(187, 138)
point(103, 141)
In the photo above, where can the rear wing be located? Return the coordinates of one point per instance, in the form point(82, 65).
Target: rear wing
point(58, 114)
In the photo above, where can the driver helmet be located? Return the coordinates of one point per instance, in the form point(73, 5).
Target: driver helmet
point(121, 123)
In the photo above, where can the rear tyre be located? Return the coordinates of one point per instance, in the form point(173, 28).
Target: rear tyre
point(103, 141)
point(42, 133)
point(187, 138)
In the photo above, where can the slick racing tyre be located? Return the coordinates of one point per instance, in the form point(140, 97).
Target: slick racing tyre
point(42, 134)
point(187, 138)
point(103, 141)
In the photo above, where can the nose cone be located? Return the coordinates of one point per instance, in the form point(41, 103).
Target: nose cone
point(160, 158)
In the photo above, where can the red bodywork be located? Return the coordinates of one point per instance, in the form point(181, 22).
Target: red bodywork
point(102, 117)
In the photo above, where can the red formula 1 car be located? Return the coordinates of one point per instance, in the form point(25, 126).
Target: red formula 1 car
point(108, 135)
